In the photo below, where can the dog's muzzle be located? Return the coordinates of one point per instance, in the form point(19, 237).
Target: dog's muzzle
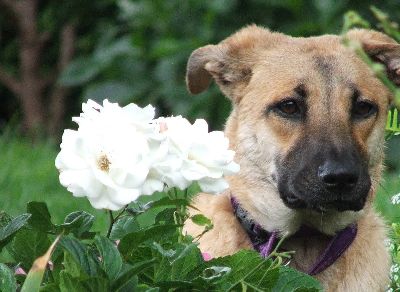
point(333, 184)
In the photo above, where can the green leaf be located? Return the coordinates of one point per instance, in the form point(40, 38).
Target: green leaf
point(96, 284)
point(166, 201)
point(292, 280)
point(154, 233)
point(40, 219)
point(35, 275)
point(50, 287)
point(4, 218)
point(393, 121)
point(81, 254)
point(8, 231)
point(201, 220)
point(69, 283)
point(124, 226)
point(71, 266)
point(126, 277)
point(248, 268)
point(29, 245)
point(72, 284)
point(7, 279)
point(166, 216)
point(79, 223)
point(179, 268)
point(81, 70)
point(111, 260)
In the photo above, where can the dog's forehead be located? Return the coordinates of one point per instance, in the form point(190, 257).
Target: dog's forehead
point(320, 63)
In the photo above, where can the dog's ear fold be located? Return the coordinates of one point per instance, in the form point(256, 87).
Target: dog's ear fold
point(198, 78)
point(229, 63)
point(380, 48)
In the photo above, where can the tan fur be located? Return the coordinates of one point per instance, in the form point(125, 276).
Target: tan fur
point(256, 68)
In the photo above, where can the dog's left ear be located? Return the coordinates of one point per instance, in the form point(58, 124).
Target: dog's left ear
point(380, 48)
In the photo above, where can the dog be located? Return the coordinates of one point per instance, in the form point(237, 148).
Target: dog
point(307, 126)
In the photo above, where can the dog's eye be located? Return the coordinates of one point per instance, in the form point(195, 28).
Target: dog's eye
point(289, 108)
point(363, 109)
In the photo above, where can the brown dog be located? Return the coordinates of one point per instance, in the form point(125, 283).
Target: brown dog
point(308, 129)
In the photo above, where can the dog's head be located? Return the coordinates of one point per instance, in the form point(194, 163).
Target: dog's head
point(307, 122)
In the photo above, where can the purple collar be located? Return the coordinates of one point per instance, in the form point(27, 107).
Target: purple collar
point(264, 242)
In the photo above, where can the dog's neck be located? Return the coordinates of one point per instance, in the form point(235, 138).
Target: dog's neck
point(264, 242)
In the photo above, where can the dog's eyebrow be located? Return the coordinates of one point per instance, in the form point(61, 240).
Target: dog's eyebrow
point(354, 89)
point(301, 90)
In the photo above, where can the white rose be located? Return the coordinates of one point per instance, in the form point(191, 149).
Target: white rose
point(195, 155)
point(108, 158)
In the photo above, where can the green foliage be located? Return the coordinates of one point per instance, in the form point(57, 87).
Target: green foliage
point(154, 257)
point(7, 279)
point(395, 251)
point(393, 123)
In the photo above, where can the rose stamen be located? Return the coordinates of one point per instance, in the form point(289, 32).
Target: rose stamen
point(103, 163)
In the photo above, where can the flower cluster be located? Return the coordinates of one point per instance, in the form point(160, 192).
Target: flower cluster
point(119, 153)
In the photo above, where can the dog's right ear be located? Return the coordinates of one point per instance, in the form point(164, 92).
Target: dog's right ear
point(230, 62)
point(198, 78)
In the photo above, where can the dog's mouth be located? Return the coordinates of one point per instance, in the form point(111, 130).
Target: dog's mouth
point(294, 202)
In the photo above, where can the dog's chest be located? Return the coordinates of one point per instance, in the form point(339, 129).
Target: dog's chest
point(307, 250)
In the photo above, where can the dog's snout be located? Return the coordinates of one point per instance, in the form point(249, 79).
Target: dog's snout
point(338, 175)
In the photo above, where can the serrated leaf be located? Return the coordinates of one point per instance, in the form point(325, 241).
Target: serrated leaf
point(7, 279)
point(124, 226)
point(35, 275)
point(9, 230)
point(29, 245)
point(292, 280)
point(125, 277)
point(79, 223)
point(154, 233)
point(201, 220)
point(166, 216)
point(71, 266)
point(73, 284)
point(96, 284)
point(247, 267)
point(182, 264)
point(69, 283)
point(81, 254)
point(111, 260)
point(40, 219)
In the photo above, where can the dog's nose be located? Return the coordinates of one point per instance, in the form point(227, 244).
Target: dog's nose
point(338, 175)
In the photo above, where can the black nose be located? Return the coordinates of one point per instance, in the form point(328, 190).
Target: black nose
point(338, 175)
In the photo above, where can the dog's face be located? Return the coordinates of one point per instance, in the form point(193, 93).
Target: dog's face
point(308, 119)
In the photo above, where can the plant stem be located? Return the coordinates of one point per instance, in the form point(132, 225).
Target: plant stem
point(120, 213)
point(112, 220)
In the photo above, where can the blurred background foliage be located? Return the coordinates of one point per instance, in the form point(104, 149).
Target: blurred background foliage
point(136, 51)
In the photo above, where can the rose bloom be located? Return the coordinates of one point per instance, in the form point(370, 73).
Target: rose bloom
point(119, 153)
point(194, 154)
point(108, 158)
